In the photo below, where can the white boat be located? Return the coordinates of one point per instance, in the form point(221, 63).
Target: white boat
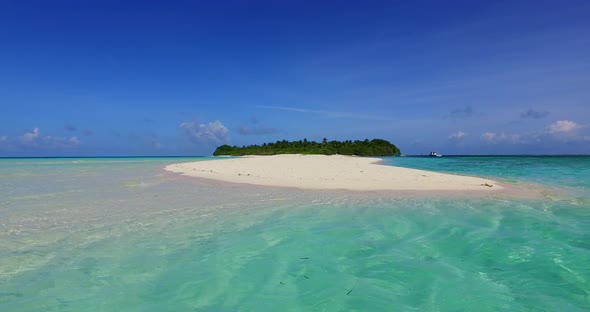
point(435, 154)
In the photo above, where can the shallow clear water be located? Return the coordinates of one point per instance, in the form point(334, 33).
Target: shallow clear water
point(123, 235)
point(570, 173)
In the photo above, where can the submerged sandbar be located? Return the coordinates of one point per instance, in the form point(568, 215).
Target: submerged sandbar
point(334, 172)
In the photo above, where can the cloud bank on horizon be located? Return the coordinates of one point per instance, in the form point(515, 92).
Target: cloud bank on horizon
point(182, 78)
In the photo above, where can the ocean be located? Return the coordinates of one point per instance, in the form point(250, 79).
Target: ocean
point(121, 234)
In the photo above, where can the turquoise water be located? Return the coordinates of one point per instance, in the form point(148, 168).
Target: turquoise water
point(561, 171)
point(121, 234)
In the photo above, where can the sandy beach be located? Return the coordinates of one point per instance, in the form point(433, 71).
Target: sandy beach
point(329, 173)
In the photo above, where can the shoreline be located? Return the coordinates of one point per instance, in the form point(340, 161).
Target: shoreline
point(335, 172)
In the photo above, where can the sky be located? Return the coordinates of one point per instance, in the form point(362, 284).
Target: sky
point(124, 78)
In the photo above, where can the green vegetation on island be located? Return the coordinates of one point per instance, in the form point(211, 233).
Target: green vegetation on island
point(375, 147)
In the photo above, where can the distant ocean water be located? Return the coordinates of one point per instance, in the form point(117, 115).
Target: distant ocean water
point(120, 234)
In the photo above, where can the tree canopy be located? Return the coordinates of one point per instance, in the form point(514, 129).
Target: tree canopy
point(375, 147)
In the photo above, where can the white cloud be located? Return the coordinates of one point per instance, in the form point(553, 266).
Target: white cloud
point(213, 132)
point(566, 131)
point(74, 140)
point(493, 137)
point(457, 136)
point(58, 142)
point(30, 138)
point(488, 136)
point(33, 139)
point(563, 126)
point(328, 114)
point(561, 130)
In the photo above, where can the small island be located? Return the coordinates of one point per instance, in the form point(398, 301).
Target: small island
point(375, 147)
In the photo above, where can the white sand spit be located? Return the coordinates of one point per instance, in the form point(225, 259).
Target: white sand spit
point(329, 173)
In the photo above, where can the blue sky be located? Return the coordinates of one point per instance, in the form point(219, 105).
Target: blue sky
point(181, 77)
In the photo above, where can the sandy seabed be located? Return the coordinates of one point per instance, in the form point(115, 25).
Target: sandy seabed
point(334, 172)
